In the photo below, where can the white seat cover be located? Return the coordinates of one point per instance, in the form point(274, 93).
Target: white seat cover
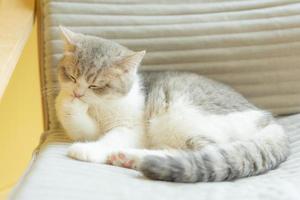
point(54, 176)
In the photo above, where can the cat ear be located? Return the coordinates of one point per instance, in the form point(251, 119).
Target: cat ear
point(132, 62)
point(68, 37)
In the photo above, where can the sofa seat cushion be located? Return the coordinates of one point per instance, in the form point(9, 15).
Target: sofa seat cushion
point(53, 175)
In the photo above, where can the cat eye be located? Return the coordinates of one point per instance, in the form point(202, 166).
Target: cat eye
point(73, 79)
point(93, 87)
point(97, 87)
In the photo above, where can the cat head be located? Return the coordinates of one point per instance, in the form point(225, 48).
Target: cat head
point(94, 68)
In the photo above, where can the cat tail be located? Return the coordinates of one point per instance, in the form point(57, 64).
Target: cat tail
point(219, 162)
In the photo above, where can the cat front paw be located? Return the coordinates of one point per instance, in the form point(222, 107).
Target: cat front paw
point(77, 105)
point(73, 106)
point(124, 159)
point(87, 152)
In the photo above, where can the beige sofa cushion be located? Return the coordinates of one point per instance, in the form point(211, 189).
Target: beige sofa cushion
point(253, 45)
point(54, 176)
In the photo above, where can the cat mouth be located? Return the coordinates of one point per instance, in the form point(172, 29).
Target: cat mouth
point(80, 99)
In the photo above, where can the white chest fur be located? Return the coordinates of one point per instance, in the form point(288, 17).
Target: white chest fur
point(126, 111)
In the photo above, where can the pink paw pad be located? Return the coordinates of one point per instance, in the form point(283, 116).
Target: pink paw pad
point(128, 164)
point(111, 159)
point(121, 160)
point(121, 156)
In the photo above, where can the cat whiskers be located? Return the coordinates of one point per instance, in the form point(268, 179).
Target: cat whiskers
point(48, 91)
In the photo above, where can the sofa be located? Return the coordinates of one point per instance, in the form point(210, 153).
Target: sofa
point(252, 45)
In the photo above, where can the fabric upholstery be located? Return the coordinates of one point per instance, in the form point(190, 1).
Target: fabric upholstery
point(55, 176)
point(253, 45)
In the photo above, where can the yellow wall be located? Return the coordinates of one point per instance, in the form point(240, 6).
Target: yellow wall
point(20, 117)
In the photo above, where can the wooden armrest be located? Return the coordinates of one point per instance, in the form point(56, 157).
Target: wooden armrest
point(16, 22)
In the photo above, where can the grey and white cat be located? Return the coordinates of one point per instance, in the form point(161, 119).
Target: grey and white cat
point(172, 126)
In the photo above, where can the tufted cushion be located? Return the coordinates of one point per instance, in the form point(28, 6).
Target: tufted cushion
point(253, 45)
point(54, 176)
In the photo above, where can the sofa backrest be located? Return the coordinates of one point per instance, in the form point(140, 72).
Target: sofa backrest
point(254, 46)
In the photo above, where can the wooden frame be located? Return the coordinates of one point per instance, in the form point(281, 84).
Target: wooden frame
point(16, 20)
point(41, 50)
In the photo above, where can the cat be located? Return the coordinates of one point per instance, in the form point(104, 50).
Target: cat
point(171, 126)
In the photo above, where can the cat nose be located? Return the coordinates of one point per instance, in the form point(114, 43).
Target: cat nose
point(77, 95)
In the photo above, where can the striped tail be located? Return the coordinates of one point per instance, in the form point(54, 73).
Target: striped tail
point(221, 162)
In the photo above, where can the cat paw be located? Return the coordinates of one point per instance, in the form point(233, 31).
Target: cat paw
point(86, 152)
point(123, 159)
point(75, 106)
point(79, 106)
point(197, 142)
